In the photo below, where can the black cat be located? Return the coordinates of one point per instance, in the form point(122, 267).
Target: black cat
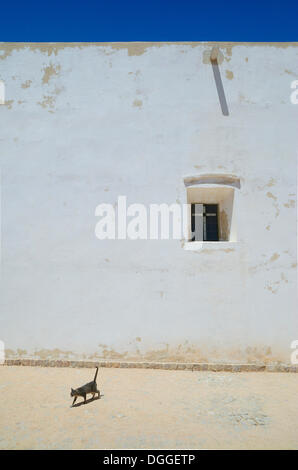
point(90, 387)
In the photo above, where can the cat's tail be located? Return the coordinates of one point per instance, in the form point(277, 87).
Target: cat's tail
point(94, 380)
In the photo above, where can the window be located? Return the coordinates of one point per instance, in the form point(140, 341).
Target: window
point(204, 222)
point(212, 201)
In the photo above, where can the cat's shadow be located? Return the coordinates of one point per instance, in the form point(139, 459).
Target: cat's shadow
point(86, 402)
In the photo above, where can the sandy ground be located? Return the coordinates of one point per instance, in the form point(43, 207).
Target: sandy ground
point(151, 409)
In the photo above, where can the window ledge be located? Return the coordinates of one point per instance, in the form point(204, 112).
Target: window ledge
point(210, 246)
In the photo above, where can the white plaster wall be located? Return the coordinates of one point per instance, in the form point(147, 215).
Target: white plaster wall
point(83, 124)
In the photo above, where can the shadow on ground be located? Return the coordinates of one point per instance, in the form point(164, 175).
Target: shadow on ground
point(86, 402)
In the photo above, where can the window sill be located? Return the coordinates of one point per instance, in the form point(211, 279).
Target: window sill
point(210, 246)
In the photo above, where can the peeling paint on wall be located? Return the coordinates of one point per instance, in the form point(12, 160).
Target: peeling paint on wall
point(50, 71)
point(138, 103)
point(276, 206)
point(274, 257)
point(271, 182)
point(291, 203)
point(26, 84)
point(206, 57)
point(183, 352)
point(47, 103)
point(273, 286)
point(132, 48)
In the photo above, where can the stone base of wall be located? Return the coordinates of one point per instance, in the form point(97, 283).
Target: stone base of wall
point(214, 367)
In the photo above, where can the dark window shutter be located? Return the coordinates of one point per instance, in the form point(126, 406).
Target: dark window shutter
point(204, 222)
point(211, 222)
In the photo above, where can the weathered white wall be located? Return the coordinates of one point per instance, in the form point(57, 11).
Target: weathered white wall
point(83, 124)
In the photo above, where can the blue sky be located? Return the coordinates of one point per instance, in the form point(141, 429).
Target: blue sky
point(151, 20)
